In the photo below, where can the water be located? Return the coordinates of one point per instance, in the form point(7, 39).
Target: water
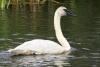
point(18, 25)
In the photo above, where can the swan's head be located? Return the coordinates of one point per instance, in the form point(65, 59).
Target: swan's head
point(62, 11)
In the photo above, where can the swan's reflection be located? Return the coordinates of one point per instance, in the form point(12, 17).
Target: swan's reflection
point(42, 60)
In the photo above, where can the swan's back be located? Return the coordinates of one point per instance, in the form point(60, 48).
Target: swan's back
point(38, 46)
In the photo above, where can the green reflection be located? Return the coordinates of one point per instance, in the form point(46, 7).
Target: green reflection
point(4, 24)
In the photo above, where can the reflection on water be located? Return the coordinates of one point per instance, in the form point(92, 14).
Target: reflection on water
point(7, 60)
point(18, 25)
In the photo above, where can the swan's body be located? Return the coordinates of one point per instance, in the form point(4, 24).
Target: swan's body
point(40, 46)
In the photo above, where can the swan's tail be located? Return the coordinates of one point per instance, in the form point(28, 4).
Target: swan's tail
point(10, 50)
point(19, 51)
point(15, 51)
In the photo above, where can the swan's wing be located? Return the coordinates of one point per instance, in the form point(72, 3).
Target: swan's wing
point(40, 46)
point(23, 45)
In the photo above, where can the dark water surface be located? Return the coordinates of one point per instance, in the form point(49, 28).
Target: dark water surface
point(18, 25)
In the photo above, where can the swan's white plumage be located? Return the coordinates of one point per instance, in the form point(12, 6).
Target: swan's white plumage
point(40, 46)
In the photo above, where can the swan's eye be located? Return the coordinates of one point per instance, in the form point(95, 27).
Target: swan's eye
point(68, 12)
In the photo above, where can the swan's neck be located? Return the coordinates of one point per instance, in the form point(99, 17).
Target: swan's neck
point(59, 33)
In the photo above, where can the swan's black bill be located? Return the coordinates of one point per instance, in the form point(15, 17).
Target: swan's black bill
point(69, 13)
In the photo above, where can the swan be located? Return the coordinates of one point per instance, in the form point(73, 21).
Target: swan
point(41, 46)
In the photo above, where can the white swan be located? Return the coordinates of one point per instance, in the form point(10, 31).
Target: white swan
point(40, 46)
